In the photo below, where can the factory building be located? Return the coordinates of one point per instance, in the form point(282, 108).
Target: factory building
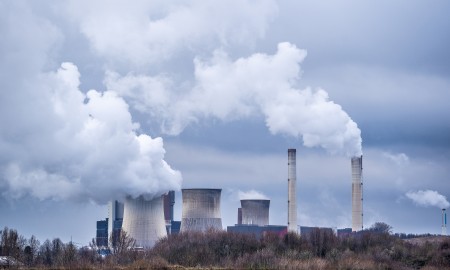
point(101, 237)
point(258, 231)
point(201, 210)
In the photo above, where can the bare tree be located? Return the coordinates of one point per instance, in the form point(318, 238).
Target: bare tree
point(122, 243)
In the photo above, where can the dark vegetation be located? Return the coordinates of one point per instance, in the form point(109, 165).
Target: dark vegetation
point(375, 248)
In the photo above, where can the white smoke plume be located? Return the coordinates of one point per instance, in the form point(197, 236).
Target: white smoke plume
point(71, 145)
point(260, 84)
point(155, 31)
point(251, 195)
point(428, 198)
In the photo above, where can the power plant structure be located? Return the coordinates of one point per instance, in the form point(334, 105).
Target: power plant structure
point(357, 194)
point(444, 222)
point(115, 219)
point(143, 220)
point(292, 191)
point(255, 212)
point(201, 210)
point(147, 221)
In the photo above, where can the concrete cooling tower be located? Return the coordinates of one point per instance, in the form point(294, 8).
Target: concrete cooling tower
point(255, 212)
point(357, 194)
point(292, 192)
point(144, 221)
point(201, 210)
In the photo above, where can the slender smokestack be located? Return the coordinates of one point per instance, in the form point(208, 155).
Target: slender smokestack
point(255, 212)
point(239, 221)
point(292, 194)
point(357, 194)
point(143, 220)
point(444, 222)
point(201, 209)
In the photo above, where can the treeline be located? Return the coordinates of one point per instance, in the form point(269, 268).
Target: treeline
point(375, 248)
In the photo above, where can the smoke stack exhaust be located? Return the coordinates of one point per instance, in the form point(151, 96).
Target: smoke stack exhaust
point(292, 194)
point(357, 195)
point(444, 222)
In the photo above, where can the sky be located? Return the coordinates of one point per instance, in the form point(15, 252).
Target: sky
point(107, 99)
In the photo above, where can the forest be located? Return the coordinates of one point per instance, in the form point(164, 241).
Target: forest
point(373, 248)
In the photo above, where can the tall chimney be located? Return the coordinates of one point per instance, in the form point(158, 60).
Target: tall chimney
point(444, 222)
point(357, 195)
point(292, 194)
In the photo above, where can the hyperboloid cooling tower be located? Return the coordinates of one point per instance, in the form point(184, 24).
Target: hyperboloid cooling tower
point(144, 221)
point(255, 212)
point(357, 194)
point(201, 210)
point(292, 193)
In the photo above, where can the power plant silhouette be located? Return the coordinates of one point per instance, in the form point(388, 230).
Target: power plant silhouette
point(148, 220)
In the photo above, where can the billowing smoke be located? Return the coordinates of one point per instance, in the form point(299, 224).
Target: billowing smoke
point(251, 195)
point(71, 145)
point(260, 84)
point(428, 198)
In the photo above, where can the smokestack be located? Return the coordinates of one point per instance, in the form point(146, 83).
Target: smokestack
point(357, 194)
point(444, 222)
point(255, 212)
point(239, 222)
point(292, 194)
point(201, 210)
point(143, 220)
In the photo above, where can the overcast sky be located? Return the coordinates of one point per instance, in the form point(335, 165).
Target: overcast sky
point(104, 99)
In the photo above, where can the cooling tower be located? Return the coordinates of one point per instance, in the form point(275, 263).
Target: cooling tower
point(444, 222)
point(201, 210)
point(292, 193)
point(143, 220)
point(255, 212)
point(357, 194)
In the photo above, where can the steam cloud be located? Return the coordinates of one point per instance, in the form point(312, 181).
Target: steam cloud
point(428, 198)
point(260, 84)
point(78, 146)
point(251, 195)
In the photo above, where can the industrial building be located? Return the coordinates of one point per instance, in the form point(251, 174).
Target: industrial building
point(201, 209)
point(149, 220)
point(101, 237)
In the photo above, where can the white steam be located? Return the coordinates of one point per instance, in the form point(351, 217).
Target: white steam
point(71, 145)
point(260, 84)
point(428, 198)
point(251, 195)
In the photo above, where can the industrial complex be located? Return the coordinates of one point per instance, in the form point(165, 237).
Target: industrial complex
point(147, 220)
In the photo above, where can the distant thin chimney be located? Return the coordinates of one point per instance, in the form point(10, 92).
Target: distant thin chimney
point(292, 193)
